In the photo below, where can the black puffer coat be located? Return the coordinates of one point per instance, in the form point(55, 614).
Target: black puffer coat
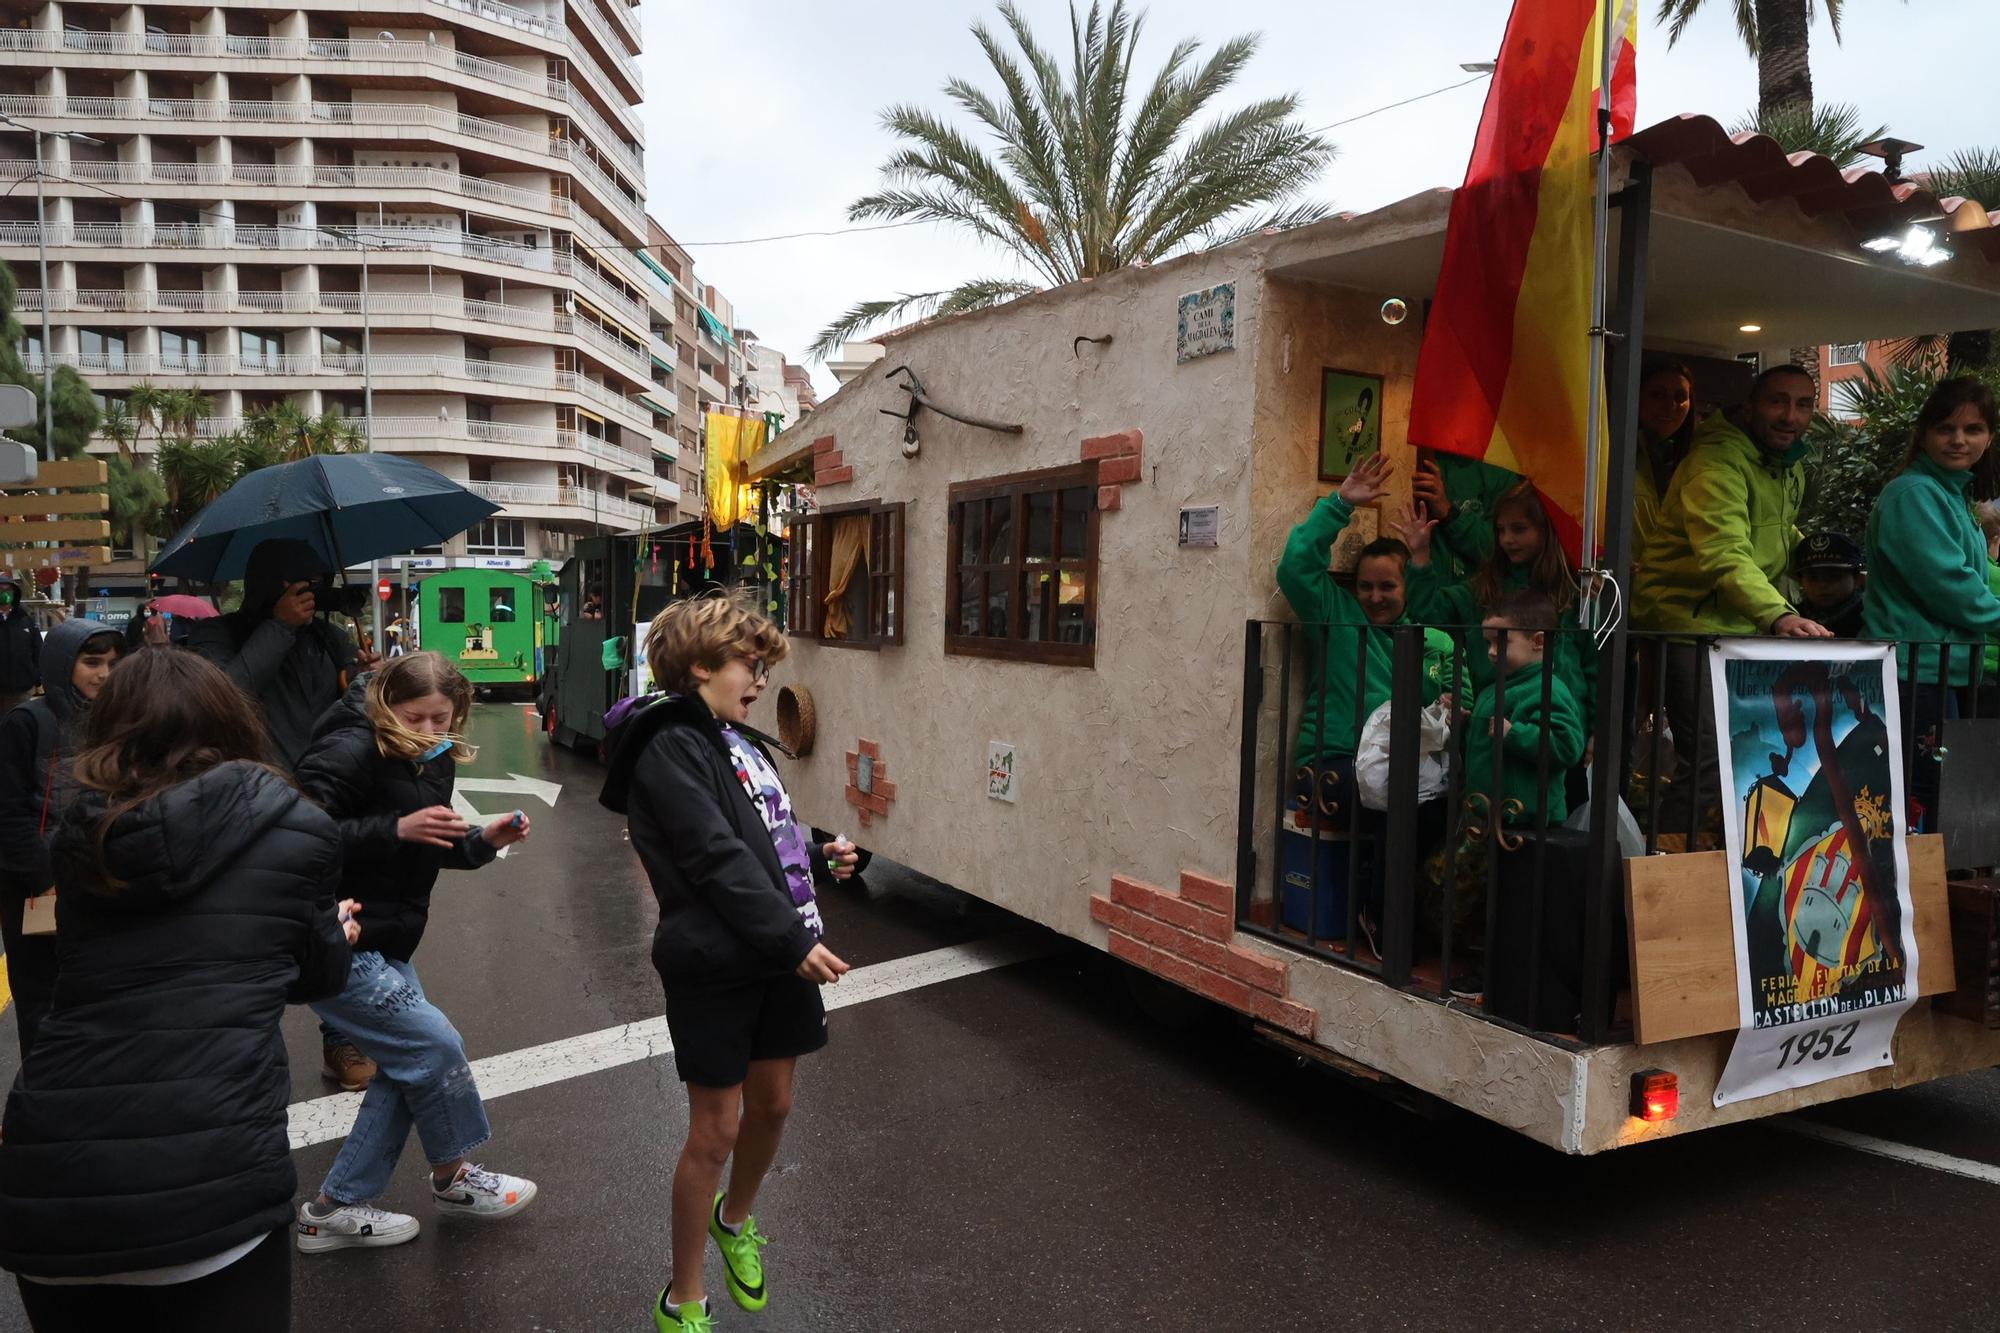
point(366, 793)
point(726, 913)
point(148, 1126)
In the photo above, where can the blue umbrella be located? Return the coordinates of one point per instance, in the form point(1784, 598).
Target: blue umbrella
point(351, 508)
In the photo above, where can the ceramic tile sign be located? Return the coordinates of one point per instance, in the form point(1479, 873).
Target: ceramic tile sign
point(1207, 322)
point(1001, 784)
point(1201, 526)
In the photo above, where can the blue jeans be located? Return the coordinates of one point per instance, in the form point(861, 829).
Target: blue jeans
point(422, 1078)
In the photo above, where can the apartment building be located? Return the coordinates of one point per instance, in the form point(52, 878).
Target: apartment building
point(432, 205)
point(776, 385)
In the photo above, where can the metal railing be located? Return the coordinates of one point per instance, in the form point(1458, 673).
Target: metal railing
point(609, 43)
point(523, 494)
point(588, 171)
point(334, 49)
point(295, 177)
point(547, 24)
point(226, 236)
point(398, 115)
point(1480, 884)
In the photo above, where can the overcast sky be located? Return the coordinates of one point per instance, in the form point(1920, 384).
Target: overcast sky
point(764, 115)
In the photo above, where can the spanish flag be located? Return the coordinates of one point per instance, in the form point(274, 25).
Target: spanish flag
point(1504, 369)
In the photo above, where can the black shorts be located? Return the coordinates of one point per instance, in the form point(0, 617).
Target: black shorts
point(718, 1031)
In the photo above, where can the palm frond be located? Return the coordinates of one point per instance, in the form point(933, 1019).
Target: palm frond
point(1970, 173)
point(1833, 130)
point(1075, 167)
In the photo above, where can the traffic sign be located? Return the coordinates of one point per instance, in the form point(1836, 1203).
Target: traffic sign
point(17, 406)
point(382, 589)
point(17, 462)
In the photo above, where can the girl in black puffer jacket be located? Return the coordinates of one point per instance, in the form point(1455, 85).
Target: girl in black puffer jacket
point(146, 1177)
point(381, 763)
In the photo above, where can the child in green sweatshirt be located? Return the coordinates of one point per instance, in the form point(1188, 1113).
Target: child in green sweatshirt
point(1517, 629)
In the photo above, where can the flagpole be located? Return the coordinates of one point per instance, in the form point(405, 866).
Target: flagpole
point(1600, 263)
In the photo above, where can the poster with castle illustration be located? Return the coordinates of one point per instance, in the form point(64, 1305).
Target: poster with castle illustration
point(1810, 745)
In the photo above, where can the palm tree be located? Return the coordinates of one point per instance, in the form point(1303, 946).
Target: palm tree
point(182, 410)
point(1833, 131)
point(121, 428)
point(1778, 33)
point(145, 401)
point(1090, 173)
point(137, 495)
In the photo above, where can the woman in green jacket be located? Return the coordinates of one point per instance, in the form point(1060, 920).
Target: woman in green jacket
point(1346, 636)
point(1928, 586)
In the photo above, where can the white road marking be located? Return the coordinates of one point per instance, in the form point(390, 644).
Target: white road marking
point(326, 1118)
point(519, 783)
point(1984, 1172)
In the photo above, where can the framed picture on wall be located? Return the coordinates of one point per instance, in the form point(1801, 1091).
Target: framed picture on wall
point(1350, 420)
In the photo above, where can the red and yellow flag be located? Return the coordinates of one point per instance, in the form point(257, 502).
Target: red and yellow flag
point(1504, 370)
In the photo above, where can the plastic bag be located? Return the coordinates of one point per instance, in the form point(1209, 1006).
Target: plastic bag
point(1631, 842)
point(1371, 756)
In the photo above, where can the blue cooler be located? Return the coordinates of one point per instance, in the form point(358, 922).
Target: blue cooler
point(1318, 874)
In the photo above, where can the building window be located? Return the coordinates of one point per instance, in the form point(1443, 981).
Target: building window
point(103, 349)
point(1023, 580)
point(259, 351)
point(1846, 354)
point(335, 344)
point(844, 577)
point(180, 351)
point(497, 536)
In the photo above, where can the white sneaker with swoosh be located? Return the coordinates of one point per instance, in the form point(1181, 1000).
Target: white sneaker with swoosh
point(477, 1192)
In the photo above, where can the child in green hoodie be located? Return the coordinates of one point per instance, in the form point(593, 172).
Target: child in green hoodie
point(1520, 710)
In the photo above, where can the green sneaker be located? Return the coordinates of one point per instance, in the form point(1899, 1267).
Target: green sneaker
point(692, 1316)
point(740, 1260)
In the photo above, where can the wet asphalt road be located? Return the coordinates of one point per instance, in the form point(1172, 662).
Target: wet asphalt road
point(1025, 1150)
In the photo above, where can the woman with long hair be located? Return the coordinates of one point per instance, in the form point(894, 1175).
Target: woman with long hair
point(382, 762)
point(1666, 430)
point(146, 1174)
point(1928, 587)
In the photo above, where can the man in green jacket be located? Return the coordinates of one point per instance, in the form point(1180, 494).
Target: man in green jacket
point(1346, 636)
point(1725, 535)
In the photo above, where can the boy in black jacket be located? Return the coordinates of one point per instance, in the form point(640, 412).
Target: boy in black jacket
point(738, 947)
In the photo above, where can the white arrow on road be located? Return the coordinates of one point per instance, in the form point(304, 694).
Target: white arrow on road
point(515, 784)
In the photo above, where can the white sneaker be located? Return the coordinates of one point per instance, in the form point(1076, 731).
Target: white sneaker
point(477, 1192)
point(352, 1224)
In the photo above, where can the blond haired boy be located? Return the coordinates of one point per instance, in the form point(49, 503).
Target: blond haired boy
point(738, 945)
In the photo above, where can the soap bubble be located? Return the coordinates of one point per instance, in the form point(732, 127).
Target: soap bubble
point(1395, 310)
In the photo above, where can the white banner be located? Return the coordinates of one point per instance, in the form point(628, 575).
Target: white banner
point(1809, 739)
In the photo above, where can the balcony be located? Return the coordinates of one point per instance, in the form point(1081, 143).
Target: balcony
point(588, 505)
point(548, 25)
point(601, 293)
point(419, 435)
point(613, 47)
point(352, 366)
point(211, 49)
point(201, 174)
point(394, 115)
point(224, 236)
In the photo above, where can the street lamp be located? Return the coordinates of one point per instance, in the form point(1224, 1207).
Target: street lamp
point(42, 246)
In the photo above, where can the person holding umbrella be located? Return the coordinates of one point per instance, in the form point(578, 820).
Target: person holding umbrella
point(295, 667)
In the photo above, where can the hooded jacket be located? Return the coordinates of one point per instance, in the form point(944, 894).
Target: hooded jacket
point(1438, 600)
point(1928, 575)
point(1725, 536)
point(147, 1127)
point(367, 793)
point(726, 914)
point(1340, 638)
point(295, 673)
point(37, 740)
point(20, 646)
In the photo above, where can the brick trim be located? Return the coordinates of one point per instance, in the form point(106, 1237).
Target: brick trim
point(869, 804)
point(830, 467)
point(1118, 464)
point(1186, 938)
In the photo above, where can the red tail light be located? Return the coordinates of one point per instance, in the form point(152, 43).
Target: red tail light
point(1656, 1096)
